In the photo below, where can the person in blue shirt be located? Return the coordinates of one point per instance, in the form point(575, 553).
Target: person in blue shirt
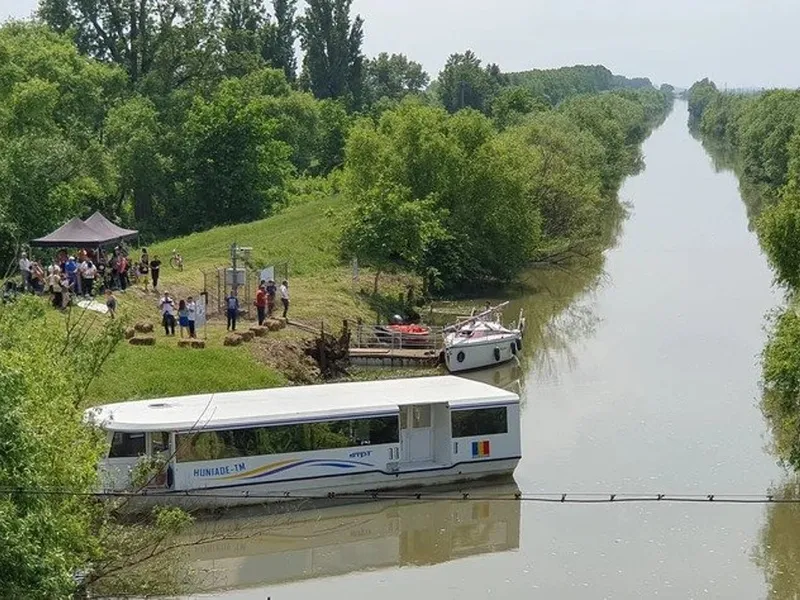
point(232, 309)
point(71, 269)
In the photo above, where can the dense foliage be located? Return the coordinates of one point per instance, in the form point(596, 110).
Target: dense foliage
point(465, 205)
point(51, 531)
point(762, 133)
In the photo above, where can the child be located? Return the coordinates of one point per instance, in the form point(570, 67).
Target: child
point(111, 304)
point(183, 317)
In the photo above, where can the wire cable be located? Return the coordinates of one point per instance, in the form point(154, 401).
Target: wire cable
point(430, 496)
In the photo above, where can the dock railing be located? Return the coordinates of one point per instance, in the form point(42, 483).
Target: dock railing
point(382, 337)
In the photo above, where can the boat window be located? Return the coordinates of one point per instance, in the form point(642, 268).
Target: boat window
point(482, 421)
point(260, 441)
point(126, 445)
point(159, 442)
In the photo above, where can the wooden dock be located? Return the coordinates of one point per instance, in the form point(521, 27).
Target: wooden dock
point(394, 357)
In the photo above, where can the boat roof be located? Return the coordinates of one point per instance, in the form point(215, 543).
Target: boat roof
point(288, 405)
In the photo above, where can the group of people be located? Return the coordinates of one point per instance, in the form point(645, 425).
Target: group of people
point(265, 299)
point(186, 312)
point(74, 276)
point(264, 302)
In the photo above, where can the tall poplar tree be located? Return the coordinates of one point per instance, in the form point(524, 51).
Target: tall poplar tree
point(333, 63)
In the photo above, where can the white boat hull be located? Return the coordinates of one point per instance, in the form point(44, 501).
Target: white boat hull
point(481, 354)
point(356, 484)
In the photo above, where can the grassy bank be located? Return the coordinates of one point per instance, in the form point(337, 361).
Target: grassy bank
point(304, 236)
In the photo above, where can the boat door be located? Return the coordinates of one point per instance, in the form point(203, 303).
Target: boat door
point(416, 433)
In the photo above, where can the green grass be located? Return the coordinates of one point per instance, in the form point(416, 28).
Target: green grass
point(304, 235)
point(137, 372)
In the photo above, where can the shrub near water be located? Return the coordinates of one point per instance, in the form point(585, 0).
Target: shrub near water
point(43, 446)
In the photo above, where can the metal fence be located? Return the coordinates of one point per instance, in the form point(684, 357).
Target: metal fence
point(217, 283)
point(376, 336)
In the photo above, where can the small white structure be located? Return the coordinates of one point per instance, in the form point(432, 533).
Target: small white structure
point(481, 341)
point(254, 446)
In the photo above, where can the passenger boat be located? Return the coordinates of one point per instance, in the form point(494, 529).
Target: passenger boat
point(481, 341)
point(248, 447)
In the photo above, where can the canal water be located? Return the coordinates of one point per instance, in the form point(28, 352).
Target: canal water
point(641, 377)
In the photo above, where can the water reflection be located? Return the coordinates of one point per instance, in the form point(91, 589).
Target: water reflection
point(242, 550)
point(778, 552)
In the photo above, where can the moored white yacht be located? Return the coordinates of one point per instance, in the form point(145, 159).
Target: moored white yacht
point(481, 341)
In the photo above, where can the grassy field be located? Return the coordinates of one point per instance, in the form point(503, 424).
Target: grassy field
point(305, 236)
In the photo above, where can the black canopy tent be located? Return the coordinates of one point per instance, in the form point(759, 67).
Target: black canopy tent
point(95, 232)
point(99, 223)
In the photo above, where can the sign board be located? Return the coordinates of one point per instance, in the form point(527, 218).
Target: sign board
point(201, 311)
point(241, 276)
point(267, 274)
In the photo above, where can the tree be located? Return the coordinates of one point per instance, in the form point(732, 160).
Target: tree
point(511, 104)
point(46, 538)
point(421, 154)
point(53, 105)
point(175, 41)
point(393, 77)
point(700, 95)
point(463, 83)
point(388, 229)
point(236, 167)
point(246, 32)
point(333, 61)
point(133, 135)
point(283, 55)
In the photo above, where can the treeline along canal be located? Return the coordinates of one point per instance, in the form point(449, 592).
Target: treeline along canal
point(641, 380)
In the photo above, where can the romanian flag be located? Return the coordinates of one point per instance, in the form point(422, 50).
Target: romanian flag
point(480, 449)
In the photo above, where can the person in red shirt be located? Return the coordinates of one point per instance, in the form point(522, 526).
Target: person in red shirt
point(261, 303)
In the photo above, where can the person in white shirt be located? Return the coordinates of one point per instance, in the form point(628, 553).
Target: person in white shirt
point(167, 306)
point(191, 307)
point(285, 297)
point(25, 271)
point(88, 273)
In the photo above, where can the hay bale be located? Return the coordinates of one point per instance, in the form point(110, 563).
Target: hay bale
point(247, 336)
point(147, 340)
point(274, 325)
point(130, 332)
point(143, 327)
point(232, 339)
point(184, 343)
point(259, 331)
point(198, 343)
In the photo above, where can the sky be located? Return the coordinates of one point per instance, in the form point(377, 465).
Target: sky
point(737, 43)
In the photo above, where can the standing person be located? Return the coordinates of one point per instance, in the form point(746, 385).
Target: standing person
point(123, 265)
point(89, 274)
point(191, 309)
point(261, 303)
point(155, 271)
point(183, 317)
point(66, 290)
point(232, 309)
point(54, 280)
point(111, 304)
point(271, 291)
point(144, 268)
point(167, 307)
point(37, 278)
point(25, 270)
point(285, 297)
point(71, 271)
